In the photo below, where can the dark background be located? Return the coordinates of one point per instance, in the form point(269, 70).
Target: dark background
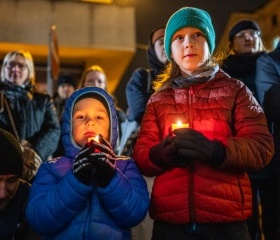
point(154, 13)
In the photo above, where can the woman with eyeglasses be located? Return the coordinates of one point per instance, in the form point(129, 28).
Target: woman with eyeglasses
point(246, 46)
point(29, 115)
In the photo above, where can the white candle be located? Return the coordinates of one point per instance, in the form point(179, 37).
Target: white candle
point(179, 124)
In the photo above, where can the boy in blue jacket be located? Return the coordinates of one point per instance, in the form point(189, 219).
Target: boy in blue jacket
point(90, 193)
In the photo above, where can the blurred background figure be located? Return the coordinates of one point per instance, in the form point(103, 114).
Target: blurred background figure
point(267, 92)
point(14, 191)
point(139, 89)
point(29, 115)
point(246, 46)
point(66, 85)
point(95, 76)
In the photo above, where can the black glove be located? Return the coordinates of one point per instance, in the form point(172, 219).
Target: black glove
point(194, 145)
point(103, 160)
point(165, 154)
point(82, 167)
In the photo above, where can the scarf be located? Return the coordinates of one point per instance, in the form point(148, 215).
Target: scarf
point(206, 75)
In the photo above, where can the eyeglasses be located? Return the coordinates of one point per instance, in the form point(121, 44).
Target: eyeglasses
point(11, 65)
point(251, 33)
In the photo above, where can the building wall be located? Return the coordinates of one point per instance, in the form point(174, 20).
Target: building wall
point(87, 33)
point(268, 18)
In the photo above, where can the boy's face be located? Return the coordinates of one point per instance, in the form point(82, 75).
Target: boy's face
point(89, 119)
point(8, 187)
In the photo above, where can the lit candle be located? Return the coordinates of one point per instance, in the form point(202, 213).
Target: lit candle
point(179, 124)
point(96, 139)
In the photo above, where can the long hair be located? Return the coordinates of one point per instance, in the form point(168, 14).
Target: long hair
point(29, 63)
point(96, 68)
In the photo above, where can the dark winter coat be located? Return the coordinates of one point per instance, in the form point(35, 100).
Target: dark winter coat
point(13, 225)
point(243, 68)
point(268, 94)
point(34, 116)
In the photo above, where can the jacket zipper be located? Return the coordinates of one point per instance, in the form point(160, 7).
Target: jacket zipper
point(192, 166)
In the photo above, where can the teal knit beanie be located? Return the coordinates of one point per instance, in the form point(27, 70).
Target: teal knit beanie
point(189, 17)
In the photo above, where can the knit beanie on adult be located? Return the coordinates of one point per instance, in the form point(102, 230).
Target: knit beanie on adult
point(152, 58)
point(11, 156)
point(189, 17)
point(242, 25)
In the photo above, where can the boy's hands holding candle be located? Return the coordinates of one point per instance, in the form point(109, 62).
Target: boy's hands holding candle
point(103, 159)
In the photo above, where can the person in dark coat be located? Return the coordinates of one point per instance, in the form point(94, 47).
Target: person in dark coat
point(14, 191)
point(29, 115)
point(65, 87)
point(267, 92)
point(246, 47)
point(139, 87)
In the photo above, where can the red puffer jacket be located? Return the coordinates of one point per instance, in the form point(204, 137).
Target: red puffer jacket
point(224, 109)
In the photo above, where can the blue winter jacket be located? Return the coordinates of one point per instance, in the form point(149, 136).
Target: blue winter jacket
point(62, 207)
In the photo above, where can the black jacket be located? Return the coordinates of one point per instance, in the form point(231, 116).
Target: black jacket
point(34, 116)
point(268, 94)
point(13, 223)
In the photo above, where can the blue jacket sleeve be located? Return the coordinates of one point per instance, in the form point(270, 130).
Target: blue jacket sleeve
point(54, 203)
point(126, 198)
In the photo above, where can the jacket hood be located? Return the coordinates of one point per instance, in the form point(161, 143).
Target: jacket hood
point(71, 148)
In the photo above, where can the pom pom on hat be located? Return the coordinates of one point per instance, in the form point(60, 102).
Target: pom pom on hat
point(11, 156)
point(242, 25)
point(189, 17)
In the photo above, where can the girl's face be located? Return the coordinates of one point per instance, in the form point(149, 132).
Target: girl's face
point(89, 119)
point(16, 71)
point(189, 49)
point(96, 79)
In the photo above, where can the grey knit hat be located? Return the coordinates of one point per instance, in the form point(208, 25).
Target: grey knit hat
point(11, 156)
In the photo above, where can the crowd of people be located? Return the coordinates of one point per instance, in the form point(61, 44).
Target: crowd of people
point(195, 155)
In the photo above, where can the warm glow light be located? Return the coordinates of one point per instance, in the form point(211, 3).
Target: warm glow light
point(98, 1)
point(179, 124)
point(96, 139)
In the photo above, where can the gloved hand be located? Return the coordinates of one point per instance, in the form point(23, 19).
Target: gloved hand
point(194, 145)
point(104, 161)
point(83, 168)
point(165, 154)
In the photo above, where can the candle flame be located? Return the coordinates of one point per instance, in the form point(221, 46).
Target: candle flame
point(96, 139)
point(179, 123)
